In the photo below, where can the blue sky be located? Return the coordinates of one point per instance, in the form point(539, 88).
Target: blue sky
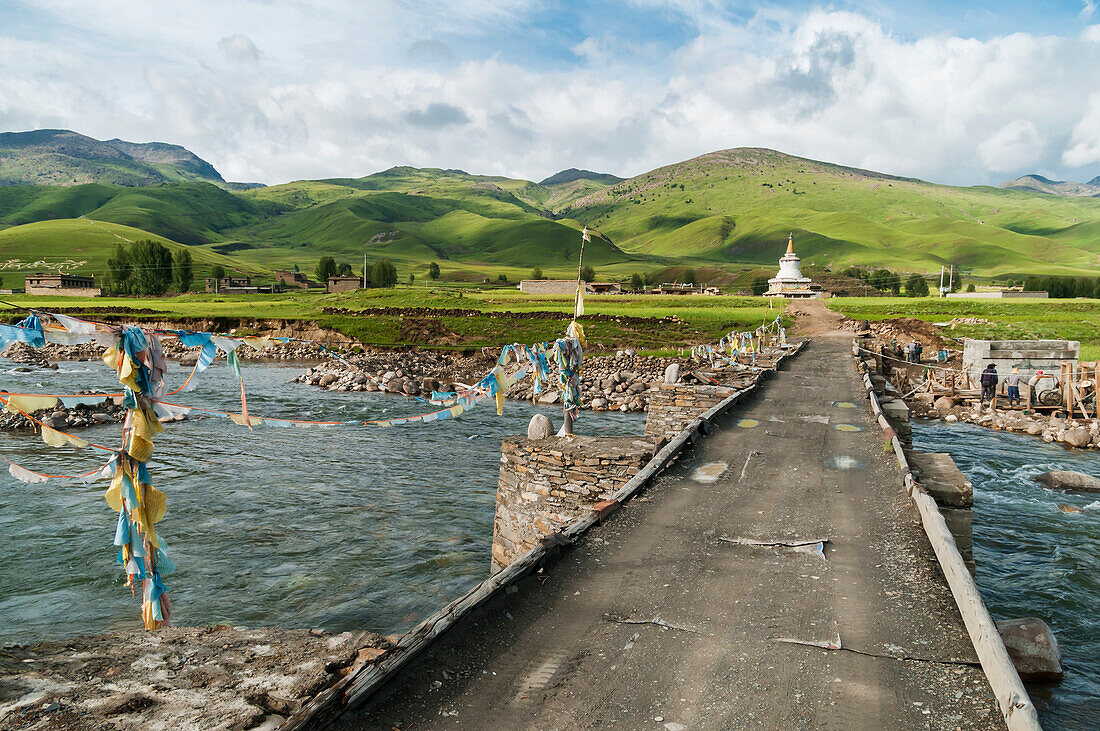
point(272, 91)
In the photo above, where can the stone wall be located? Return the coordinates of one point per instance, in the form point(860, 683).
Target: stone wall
point(546, 484)
point(672, 407)
point(65, 291)
point(1027, 355)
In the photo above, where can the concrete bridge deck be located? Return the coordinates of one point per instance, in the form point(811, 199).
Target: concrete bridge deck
point(573, 648)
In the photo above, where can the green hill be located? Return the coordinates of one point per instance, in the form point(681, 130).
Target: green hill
point(81, 246)
point(728, 211)
point(63, 157)
point(738, 206)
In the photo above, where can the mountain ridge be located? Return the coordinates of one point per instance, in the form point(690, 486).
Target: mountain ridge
point(63, 157)
point(1040, 184)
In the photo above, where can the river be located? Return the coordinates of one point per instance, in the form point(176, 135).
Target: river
point(1033, 560)
point(334, 528)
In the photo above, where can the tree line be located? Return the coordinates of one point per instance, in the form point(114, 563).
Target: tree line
point(381, 273)
point(148, 267)
point(1064, 287)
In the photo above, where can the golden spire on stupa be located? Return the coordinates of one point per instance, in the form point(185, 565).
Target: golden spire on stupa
point(790, 244)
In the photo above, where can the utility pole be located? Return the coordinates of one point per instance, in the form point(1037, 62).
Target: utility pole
point(941, 280)
point(951, 279)
point(364, 268)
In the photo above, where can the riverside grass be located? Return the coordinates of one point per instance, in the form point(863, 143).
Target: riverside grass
point(701, 319)
point(1030, 319)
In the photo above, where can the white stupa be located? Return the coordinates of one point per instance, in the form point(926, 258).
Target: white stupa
point(789, 282)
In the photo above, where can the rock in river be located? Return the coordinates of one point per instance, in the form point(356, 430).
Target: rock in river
point(1033, 648)
point(1069, 481)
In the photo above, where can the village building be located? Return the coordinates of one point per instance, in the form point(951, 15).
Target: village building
point(236, 285)
point(343, 284)
point(1001, 294)
point(789, 283)
point(567, 286)
point(292, 279)
point(683, 288)
point(62, 285)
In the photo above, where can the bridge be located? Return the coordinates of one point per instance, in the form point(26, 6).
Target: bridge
point(772, 574)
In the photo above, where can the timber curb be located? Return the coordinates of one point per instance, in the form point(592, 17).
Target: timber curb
point(361, 683)
point(1012, 697)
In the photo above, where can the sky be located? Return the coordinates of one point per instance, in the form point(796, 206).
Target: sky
point(272, 91)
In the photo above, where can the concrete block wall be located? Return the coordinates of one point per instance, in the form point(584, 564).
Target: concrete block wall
point(672, 407)
point(546, 484)
point(1027, 355)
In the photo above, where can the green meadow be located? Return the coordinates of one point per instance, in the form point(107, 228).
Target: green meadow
point(453, 317)
point(1030, 319)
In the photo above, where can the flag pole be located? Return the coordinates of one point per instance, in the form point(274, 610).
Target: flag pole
point(578, 310)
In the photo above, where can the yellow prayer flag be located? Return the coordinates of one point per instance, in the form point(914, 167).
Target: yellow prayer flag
point(55, 438)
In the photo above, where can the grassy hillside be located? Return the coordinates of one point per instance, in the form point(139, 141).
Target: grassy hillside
point(737, 206)
point(79, 246)
point(724, 214)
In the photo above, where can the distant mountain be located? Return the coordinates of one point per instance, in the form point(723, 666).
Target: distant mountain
point(568, 176)
point(63, 157)
point(1039, 184)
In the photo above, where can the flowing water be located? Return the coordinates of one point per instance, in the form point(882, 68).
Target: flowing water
point(1033, 559)
point(335, 528)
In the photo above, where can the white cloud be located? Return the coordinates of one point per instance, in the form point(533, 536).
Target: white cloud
point(340, 91)
point(239, 47)
point(1084, 146)
point(1016, 146)
point(1089, 7)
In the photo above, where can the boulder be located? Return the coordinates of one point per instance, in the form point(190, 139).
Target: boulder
point(1033, 648)
point(944, 403)
point(672, 373)
point(950, 418)
point(549, 398)
point(1067, 481)
point(1077, 437)
point(540, 427)
point(189, 360)
point(327, 380)
point(599, 403)
point(1034, 428)
point(412, 388)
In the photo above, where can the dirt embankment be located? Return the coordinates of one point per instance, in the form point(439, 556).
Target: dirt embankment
point(175, 678)
point(498, 315)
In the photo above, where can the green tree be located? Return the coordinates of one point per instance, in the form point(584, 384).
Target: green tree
point(412, 277)
point(326, 268)
point(689, 276)
point(636, 281)
point(502, 278)
point(759, 286)
point(383, 274)
point(957, 281)
point(433, 271)
point(183, 274)
point(152, 263)
point(344, 269)
point(970, 288)
point(536, 273)
point(588, 274)
point(880, 279)
point(916, 286)
point(217, 272)
point(856, 273)
point(119, 271)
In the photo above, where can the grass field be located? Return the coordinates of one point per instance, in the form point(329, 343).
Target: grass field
point(1012, 320)
point(483, 318)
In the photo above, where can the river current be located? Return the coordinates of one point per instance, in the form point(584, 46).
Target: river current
point(334, 528)
point(1034, 560)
